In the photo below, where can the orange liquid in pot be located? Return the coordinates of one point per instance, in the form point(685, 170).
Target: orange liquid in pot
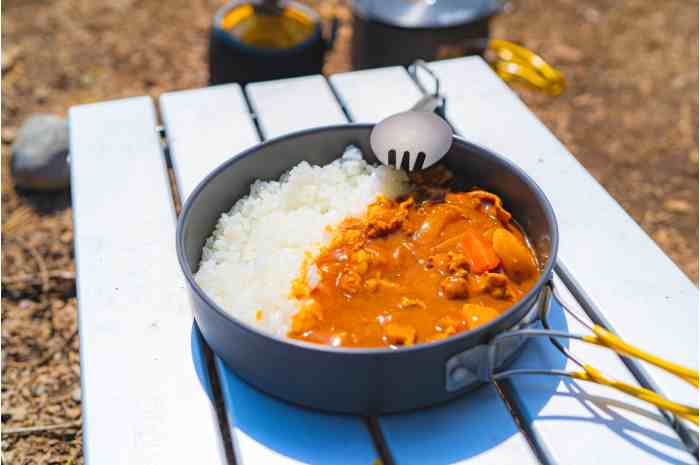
point(285, 30)
point(411, 272)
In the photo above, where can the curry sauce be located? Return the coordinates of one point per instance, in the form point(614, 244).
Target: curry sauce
point(412, 271)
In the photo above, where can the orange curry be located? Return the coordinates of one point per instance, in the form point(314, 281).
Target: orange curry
point(413, 271)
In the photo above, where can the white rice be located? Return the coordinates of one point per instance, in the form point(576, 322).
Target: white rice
point(257, 248)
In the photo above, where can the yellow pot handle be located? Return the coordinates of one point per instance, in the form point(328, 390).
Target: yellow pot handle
point(605, 338)
point(515, 62)
point(591, 374)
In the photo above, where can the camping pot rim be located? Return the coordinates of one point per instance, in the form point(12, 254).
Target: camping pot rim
point(314, 37)
point(387, 14)
point(531, 296)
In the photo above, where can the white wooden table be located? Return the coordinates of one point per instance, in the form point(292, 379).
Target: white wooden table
point(143, 401)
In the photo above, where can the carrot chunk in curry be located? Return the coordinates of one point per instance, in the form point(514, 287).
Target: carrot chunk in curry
point(411, 272)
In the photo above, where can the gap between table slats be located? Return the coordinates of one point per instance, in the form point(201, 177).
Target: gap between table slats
point(369, 96)
point(341, 96)
point(467, 102)
point(357, 90)
point(651, 282)
point(137, 376)
point(251, 414)
point(687, 432)
point(190, 162)
point(205, 357)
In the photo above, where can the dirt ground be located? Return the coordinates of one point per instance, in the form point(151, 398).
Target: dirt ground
point(629, 114)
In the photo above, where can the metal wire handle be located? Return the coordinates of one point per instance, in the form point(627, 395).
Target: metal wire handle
point(604, 338)
point(413, 71)
point(520, 62)
point(431, 101)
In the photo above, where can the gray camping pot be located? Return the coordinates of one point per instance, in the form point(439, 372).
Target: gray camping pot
point(398, 32)
point(360, 381)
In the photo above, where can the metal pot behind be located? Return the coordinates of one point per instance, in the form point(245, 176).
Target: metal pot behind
point(233, 60)
point(360, 381)
point(398, 32)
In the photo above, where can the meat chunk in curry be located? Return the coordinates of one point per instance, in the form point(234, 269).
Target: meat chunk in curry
point(414, 271)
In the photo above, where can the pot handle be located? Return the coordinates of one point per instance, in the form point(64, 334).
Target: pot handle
point(480, 364)
point(432, 100)
point(514, 62)
point(604, 338)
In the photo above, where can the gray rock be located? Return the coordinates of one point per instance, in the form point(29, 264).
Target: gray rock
point(39, 153)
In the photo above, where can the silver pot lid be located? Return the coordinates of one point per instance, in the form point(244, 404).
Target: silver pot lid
point(426, 13)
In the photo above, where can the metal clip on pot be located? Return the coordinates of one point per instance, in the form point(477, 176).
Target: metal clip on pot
point(481, 363)
point(431, 101)
point(478, 364)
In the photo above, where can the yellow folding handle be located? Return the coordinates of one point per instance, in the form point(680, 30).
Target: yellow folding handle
point(517, 62)
point(593, 375)
point(605, 338)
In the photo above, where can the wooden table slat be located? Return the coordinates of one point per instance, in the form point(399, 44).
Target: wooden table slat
point(293, 104)
point(141, 396)
point(368, 105)
point(204, 128)
point(264, 430)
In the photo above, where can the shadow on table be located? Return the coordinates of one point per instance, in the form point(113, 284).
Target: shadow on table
point(270, 426)
point(468, 426)
point(471, 425)
point(628, 420)
point(619, 417)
